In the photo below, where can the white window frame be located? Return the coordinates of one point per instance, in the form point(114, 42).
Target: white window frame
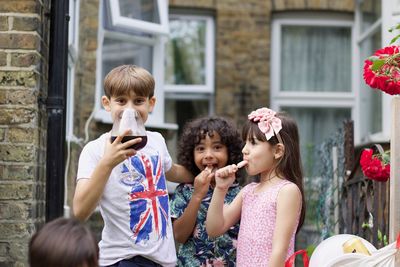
point(208, 87)
point(156, 118)
point(144, 26)
point(73, 38)
point(309, 99)
point(390, 17)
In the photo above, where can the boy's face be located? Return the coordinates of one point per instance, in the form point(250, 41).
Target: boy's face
point(117, 104)
point(210, 152)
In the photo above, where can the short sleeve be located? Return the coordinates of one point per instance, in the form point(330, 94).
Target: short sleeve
point(89, 158)
point(180, 200)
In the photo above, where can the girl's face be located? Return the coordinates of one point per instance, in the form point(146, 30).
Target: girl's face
point(210, 152)
point(259, 155)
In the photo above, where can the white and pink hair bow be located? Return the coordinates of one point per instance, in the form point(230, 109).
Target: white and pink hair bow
point(268, 123)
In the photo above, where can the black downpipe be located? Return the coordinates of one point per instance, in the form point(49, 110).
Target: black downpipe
point(56, 108)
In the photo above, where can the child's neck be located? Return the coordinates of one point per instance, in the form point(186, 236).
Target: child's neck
point(268, 177)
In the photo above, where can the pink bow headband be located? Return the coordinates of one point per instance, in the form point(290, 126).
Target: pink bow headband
point(268, 123)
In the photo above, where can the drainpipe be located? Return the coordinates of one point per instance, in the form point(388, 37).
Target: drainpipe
point(56, 108)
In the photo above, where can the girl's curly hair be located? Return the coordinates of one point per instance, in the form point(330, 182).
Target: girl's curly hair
point(196, 130)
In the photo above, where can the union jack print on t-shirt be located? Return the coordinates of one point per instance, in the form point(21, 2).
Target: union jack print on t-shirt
point(148, 197)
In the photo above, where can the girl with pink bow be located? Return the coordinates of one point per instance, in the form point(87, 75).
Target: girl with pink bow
point(272, 210)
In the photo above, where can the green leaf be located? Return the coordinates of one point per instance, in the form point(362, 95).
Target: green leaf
point(386, 158)
point(379, 235)
point(377, 64)
point(310, 249)
point(394, 39)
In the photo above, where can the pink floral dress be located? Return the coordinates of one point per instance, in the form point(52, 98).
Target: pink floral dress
point(257, 226)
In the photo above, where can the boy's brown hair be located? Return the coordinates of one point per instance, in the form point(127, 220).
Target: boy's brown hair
point(63, 243)
point(126, 78)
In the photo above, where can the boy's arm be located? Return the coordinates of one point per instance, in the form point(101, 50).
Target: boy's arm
point(179, 174)
point(221, 217)
point(184, 225)
point(287, 214)
point(88, 192)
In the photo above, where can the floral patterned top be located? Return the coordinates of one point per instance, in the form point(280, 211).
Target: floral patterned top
point(199, 249)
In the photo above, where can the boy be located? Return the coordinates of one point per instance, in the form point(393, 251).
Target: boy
point(137, 225)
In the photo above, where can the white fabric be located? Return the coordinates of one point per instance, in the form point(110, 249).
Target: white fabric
point(385, 257)
point(134, 205)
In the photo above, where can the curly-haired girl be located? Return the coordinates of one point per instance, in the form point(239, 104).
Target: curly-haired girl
point(206, 144)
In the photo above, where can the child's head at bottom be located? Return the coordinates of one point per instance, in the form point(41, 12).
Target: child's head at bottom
point(209, 141)
point(63, 243)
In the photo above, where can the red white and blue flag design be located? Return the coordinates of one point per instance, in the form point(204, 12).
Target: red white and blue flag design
point(148, 198)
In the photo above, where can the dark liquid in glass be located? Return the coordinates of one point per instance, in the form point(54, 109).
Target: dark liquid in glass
point(137, 146)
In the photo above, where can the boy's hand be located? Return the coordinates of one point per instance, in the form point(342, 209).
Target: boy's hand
point(116, 152)
point(202, 183)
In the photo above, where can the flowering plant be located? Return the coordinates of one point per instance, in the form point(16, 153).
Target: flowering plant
point(375, 166)
point(382, 70)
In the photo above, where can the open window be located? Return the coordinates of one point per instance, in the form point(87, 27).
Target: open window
point(141, 15)
point(132, 32)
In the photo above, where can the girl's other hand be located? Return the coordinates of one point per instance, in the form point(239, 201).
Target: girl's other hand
point(202, 183)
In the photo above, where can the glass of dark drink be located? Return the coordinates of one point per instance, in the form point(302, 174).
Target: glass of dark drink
point(131, 120)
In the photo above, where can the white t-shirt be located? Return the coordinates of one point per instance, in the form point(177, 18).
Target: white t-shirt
point(134, 205)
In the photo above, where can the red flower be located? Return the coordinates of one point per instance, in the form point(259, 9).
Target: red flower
point(381, 71)
point(373, 166)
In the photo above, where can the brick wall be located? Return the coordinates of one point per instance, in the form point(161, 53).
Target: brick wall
point(23, 87)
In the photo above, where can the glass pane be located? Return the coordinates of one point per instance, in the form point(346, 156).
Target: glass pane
point(316, 58)
point(315, 125)
point(371, 11)
point(117, 52)
point(371, 99)
point(185, 61)
point(181, 111)
point(140, 9)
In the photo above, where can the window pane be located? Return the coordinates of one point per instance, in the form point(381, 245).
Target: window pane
point(140, 9)
point(180, 111)
point(371, 99)
point(315, 125)
point(371, 12)
point(185, 52)
point(117, 52)
point(316, 59)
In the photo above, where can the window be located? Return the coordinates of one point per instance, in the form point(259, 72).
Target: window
point(149, 16)
point(72, 59)
point(133, 32)
point(311, 77)
point(368, 22)
point(189, 68)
